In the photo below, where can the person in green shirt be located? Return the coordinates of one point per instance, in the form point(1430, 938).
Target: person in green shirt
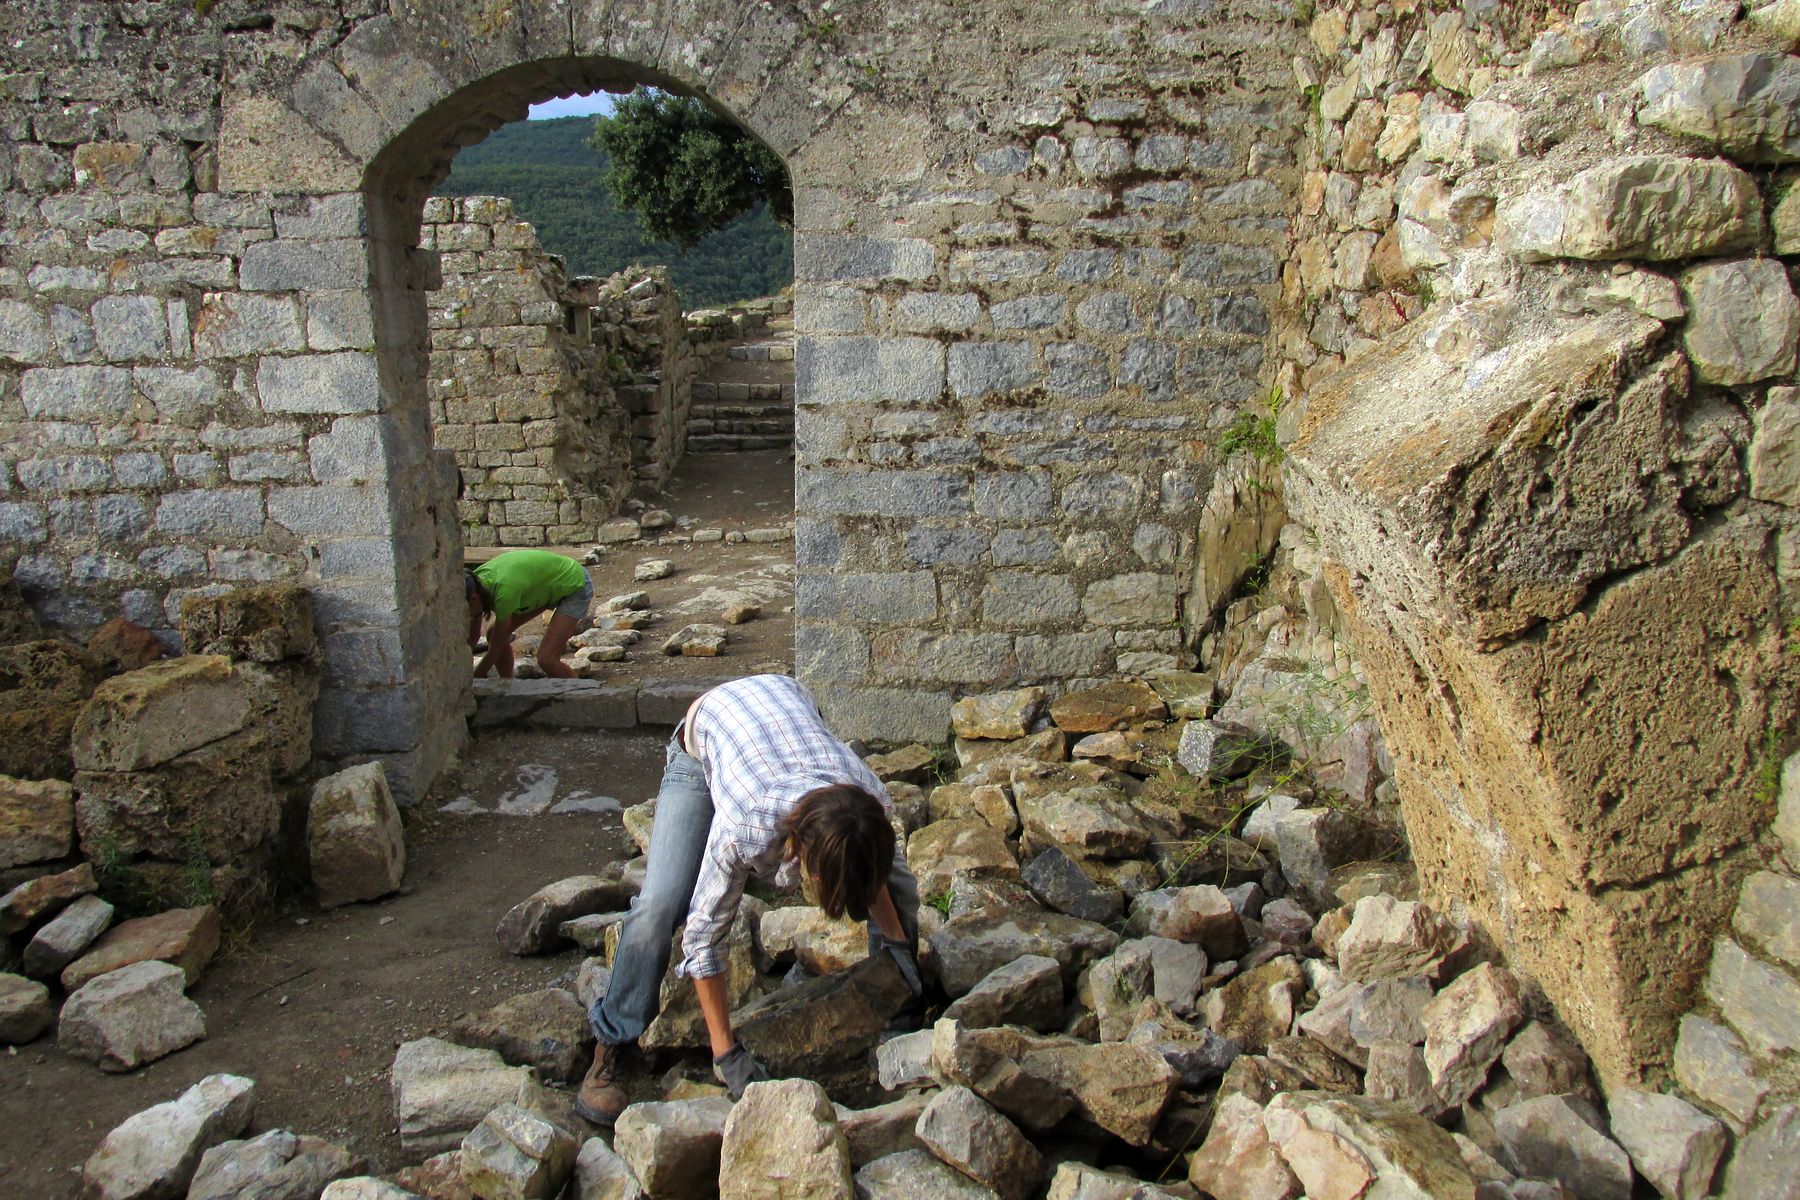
point(517, 586)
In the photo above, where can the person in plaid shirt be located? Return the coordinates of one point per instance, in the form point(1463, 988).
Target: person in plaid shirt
point(755, 784)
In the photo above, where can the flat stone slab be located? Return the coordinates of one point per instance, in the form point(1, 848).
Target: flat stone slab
point(666, 702)
point(186, 937)
point(554, 704)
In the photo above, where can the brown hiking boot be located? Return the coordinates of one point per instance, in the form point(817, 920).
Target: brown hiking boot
point(600, 1098)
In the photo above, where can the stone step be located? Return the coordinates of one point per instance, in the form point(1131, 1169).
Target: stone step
point(730, 443)
point(740, 393)
point(751, 428)
point(744, 412)
point(771, 351)
point(583, 703)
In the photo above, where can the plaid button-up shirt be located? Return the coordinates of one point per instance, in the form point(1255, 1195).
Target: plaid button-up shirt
point(762, 745)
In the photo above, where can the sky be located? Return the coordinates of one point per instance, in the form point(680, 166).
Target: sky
point(571, 106)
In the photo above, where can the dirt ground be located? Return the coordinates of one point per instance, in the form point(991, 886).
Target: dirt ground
point(729, 492)
point(312, 1005)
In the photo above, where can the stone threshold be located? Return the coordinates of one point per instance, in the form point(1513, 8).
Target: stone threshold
point(585, 703)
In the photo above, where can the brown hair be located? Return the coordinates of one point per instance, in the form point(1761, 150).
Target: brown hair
point(843, 840)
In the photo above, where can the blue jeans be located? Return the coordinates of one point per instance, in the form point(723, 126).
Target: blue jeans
point(684, 812)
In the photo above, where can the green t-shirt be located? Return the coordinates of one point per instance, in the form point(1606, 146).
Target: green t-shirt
point(523, 580)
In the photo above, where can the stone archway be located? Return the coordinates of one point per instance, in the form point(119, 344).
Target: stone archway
point(405, 92)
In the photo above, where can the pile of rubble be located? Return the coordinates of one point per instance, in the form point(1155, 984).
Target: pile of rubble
point(173, 788)
point(1166, 967)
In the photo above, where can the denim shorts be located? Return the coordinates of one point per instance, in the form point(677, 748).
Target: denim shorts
point(575, 605)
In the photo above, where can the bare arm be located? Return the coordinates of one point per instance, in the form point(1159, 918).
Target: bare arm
point(715, 1007)
point(887, 917)
point(499, 651)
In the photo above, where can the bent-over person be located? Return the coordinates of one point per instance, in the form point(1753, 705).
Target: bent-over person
point(515, 587)
point(755, 784)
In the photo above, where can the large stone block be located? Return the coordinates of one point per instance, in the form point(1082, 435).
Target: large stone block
point(1741, 105)
point(153, 1155)
point(37, 820)
point(216, 800)
point(1655, 207)
point(129, 1017)
point(152, 715)
point(355, 844)
point(262, 624)
point(782, 1139)
point(442, 1091)
point(186, 938)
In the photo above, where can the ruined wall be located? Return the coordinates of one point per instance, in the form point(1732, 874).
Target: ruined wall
point(642, 338)
point(520, 381)
point(1567, 592)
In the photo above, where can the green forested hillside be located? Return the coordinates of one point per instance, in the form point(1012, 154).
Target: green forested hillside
point(553, 178)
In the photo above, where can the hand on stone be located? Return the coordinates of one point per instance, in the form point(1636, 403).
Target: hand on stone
point(737, 1069)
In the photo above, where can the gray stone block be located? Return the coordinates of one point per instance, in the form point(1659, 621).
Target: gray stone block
point(23, 524)
point(1238, 314)
point(1030, 312)
point(345, 382)
point(882, 493)
point(57, 476)
point(1076, 370)
point(180, 395)
point(288, 266)
point(24, 332)
point(339, 216)
point(1019, 497)
point(226, 513)
point(929, 547)
point(1150, 364)
point(131, 327)
point(857, 370)
point(1101, 496)
point(933, 312)
point(830, 653)
point(892, 599)
point(892, 716)
point(233, 324)
point(344, 510)
point(140, 470)
point(970, 658)
point(666, 701)
point(76, 393)
point(822, 258)
point(554, 704)
point(339, 321)
point(1024, 547)
point(816, 543)
point(979, 369)
point(1063, 655)
point(1022, 599)
point(1226, 265)
point(1106, 312)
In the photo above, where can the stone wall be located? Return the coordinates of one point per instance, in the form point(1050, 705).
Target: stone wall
point(1034, 280)
point(639, 324)
point(1540, 327)
point(521, 384)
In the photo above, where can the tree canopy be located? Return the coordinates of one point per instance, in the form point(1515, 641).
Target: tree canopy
point(556, 181)
point(686, 171)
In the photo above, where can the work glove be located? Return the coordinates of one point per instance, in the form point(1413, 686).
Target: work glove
point(737, 1069)
point(903, 958)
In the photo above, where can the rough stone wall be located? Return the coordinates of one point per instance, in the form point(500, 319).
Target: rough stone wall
point(642, 336)
point(520, 386)
point(1035, 265)
point(1540, 328)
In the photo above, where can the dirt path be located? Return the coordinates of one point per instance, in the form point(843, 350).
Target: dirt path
point(740, 492)
point(313, 1005)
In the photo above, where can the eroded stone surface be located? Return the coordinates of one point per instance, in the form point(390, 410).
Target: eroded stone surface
point(152, 1156)
point(355, 844)
point(130, 1016)
point(673, 1148)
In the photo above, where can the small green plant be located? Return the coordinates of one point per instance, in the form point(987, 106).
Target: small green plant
point(940, 900)
point(197, 885)
point(1427, 290)
point(821, 29)
point(1256, 574)
point(1315, 95)
point(1768, 775)
point(1253, 432)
